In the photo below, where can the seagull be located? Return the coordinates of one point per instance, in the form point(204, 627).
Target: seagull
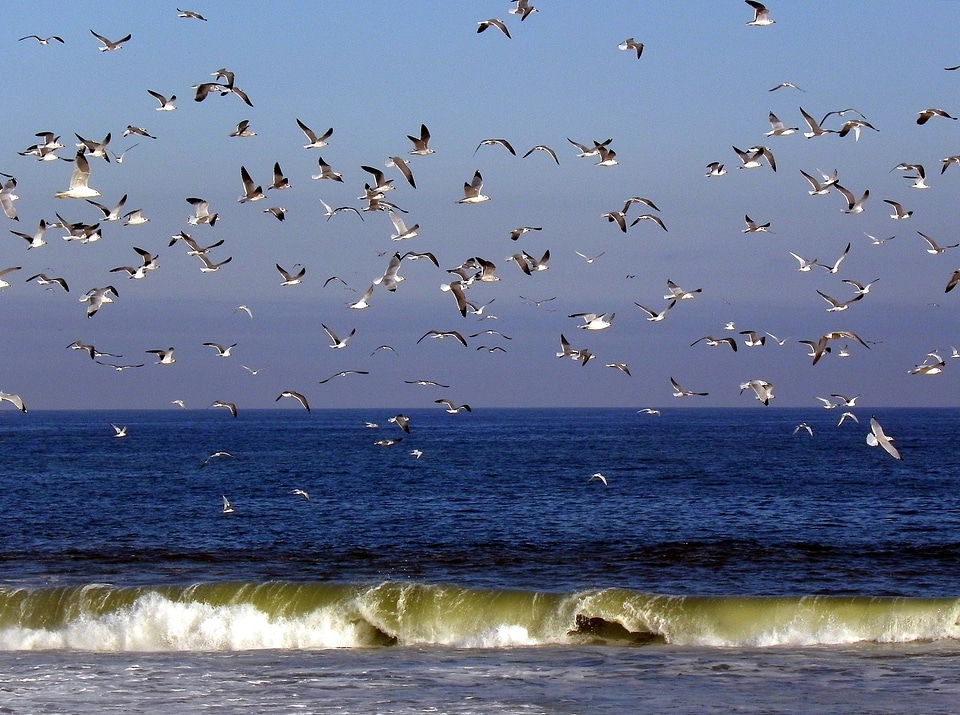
point(631, 44)
point(289, 278)
point(42, 40)
point(36, 240)
point(715, 342)
point(778, 340)
point(201, 211)
point(594, 321)
point(298, 397)
point(827, 404)
point(179, 403)
point(785, 85)
point(762, 389)
point(518, 232)
point(416, 453)
point(119, 368)
point(222, 351)
point(589, 259)
point(753, 340)
point(777, 128)
point(13, 400)
point(877, 437)
point(803, 426)
point(750, 159)
point(243, 129)
point(208, 265)
point(715, 168)
point(599, 477)
point(815, 129)
point(326, 172)
point(544, 148)
point(300, 493)
point(315, 142)
point(440, 334)
point(494, 142)
point(96, 297)
point(494, 22)
point(79, 182)
point(845, 416)
point(878, 241)
point(585, 150)
point(97, 149)
point(451, 407)
point(935, 248)
point(524, 9)
point(836, 266)
point(899, 213)
point(401, 421)
point(836, 305)
point(343, 373)
point(279, 180)
point(164, 357)
point(228, 405)
point(330, 212)
point(854, 205)
point(108, 45)
point(653, 316)
point(403, 232)
point(421, 145)
point(680, 392)
point(108, 213)
point(90, 349)
point(364, 300)
point(816, 187)
point(754, 227)
point(952, 283)
point(426, 383)
point(227, 508)
point(403, 167)
point(338, 344)
point(621, 366)
point(649, 411)
point(215, 455)
point(649, 217)
point(862, 289)
point(584, 356)
point(927, 114)
point(607, 156)
point(7, 197)
point(190, 14)
point(251, 192)
point(387, 442)
point(391, 278)
point(471, 191)
point(119, 431)
point(855, 125)
point(761, 16)
point(166, 104)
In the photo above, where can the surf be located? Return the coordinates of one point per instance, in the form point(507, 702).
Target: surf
point(235, 616)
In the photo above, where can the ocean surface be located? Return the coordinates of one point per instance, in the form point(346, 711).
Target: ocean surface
point(729, 563)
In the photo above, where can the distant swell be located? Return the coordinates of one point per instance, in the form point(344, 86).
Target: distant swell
point(245, 616)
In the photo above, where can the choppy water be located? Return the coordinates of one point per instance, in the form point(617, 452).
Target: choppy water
point(729, 565)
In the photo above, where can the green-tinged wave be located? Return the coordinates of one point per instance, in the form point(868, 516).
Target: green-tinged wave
point(242, 616)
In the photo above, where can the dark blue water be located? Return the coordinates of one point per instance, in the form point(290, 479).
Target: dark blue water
point(724, 502)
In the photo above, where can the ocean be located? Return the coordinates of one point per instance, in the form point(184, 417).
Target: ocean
point(729, 563)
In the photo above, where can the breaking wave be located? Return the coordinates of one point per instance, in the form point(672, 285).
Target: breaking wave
point(245, 616)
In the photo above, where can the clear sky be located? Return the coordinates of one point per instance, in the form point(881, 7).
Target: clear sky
point(375, 71)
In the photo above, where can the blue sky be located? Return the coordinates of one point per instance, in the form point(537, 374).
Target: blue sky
point(376, 71)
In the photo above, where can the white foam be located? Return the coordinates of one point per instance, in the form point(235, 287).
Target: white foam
point(155, 623)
